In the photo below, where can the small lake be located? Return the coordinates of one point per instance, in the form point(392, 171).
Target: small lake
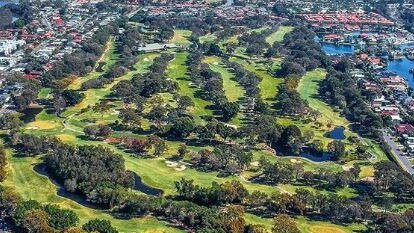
point(338, 133)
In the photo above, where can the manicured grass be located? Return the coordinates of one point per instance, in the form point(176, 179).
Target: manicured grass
point(33, 186)
point(306, 226)
point(181, 37)
point(308, 89)
point(207, 38)
point(278, 35)
point(44, 93)
point(177, 71)
point(93, 96)
point(269, 84)
point(109, 57)
point(231, 88)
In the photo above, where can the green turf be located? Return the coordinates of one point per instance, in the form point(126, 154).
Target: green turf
point(278, 35)
point(269, 84)
point(30, 185)
point(177, 71)
point(181, 37)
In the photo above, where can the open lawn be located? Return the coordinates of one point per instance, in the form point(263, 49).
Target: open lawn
point(33, 186)
point(306, 225)
point(181, 37)
point(231, 88)
point(278, 35)
point(269, 84)
point(177, 71)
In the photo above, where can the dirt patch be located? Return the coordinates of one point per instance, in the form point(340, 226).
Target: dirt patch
point(326, 229)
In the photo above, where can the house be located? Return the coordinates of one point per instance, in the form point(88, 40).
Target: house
point(404, 129)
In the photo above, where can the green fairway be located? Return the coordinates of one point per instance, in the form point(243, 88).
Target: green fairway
point(207, 38)
point(177, 71)
point(269, 84)
point(307, 226)
point(329, 117)
point(231, 88)
point(278, 35)
point(308, 90)
point(108, 58)
point(33, 186)
point(181, 37)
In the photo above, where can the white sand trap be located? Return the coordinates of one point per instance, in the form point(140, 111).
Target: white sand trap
point(146, 59)
point(171, 164)
point(295, 161)
point(180, 168)
point(347, 167)
point(215, 63)
point(255, 163)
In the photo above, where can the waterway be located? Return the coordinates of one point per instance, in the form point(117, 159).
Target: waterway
point(400, 67)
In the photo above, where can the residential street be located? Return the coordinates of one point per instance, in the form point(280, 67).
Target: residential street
point(403, 161)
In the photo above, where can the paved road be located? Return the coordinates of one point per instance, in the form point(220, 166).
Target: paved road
point(402, 160)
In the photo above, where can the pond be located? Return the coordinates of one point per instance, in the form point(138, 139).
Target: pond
point(61, 191)
point(140, 186)
point(338, 133)
point(316, 157)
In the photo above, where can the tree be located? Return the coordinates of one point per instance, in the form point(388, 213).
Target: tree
point(72, 97)
point(182, 127)
point(185, 102)
point(59, 104)
point(181, 153)
point(160, 146)
point(101, 226)
point(60, 218)
point(229, 110)
point(284, 224)
point(130, 118)
point(337, 149)
point(36, 221)
point(233, 218)
point(10, 121)
point(97, 131)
